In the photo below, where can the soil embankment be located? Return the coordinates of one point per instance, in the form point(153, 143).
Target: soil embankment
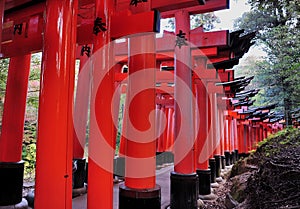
point(268, 179)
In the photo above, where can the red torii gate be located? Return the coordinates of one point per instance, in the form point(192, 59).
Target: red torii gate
point(34, 43)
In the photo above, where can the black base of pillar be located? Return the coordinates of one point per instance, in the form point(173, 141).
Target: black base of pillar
point(212, 166)
point(119, 166)
point(79, 173)
point(236, 155)
point(204, 182)
point(232, 157)
point(218, 165)
point(227, 158)
point(223, 161)
point(184, 191)
point(139, 198)
point(11, 183)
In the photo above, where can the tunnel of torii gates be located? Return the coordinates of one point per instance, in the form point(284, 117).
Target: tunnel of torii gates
point(183, 102)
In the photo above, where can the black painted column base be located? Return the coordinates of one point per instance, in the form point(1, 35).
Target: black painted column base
point(184, 191)
point(212, 166)
point(223, 161)
point(79, 173)
point(218, 165)
point(232, 157)
point(204, 182)
point(236, 155)
point(11, 183)
point(139, 198)
point(227, 158)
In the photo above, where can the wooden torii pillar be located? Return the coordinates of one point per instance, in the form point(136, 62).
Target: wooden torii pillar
point(140, 189)
point(55, 108)
point(184, 188)
point(80, 118)
point(136, 186)
point(11, 166)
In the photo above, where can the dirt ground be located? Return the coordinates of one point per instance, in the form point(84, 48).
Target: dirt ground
point(268, 179)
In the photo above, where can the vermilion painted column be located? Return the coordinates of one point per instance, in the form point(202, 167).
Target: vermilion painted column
point(140, 189)
point(226, 140)
point(11, 166)
point(157, 125)
point(14, 109)
point(202, 97)
point(241, 146)
point(222, 135)
point(167, 131)
point(170, 134)
point(183, 179)
point(254, 138)
point(266, 134)
point(261, 131)
point(162, 129)
point(55, 126)
point(228, 144)
point(236, 141)
point(246, 138)
point(215, 115)
point(257, 134)
point(218, 148)
point(214, 141)
point(202, 152)
point(101, 142)
point(249, 138)
point(165, 139)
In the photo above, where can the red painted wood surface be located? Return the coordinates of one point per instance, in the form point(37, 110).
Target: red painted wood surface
point(140, 152)
point(55, 127)
point(184, 140)
point(14, 109)
point(101, 142)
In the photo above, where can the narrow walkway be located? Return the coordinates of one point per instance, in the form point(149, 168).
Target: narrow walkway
point(162, 179)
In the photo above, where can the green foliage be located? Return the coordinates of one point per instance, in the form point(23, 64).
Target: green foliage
point(30, 135)
point(120, 122)
point(206, 20)
point(29, 149)
point(3, 78)
point(278, 26)
point(34, 87)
